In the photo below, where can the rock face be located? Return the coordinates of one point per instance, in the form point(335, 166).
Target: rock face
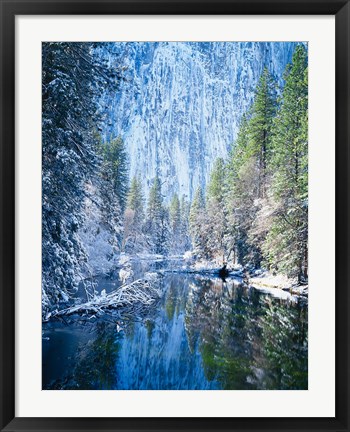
point(181, 104)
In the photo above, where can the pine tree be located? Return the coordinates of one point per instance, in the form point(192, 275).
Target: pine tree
point(184, 216)
point(197, 221)
point(102, 231)
point(163, 236)
point(157, 224)
point(73, 80)
point(217, 183)
point(175, 224)
point(216, 224)
point(239, 193)
point(286, 243)
point(238, 154)
point(260, 126)
point(248, 175)
point(135, 199)
point(134, 239)
point(115, 166)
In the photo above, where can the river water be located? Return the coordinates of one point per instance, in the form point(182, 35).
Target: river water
point(203, 334)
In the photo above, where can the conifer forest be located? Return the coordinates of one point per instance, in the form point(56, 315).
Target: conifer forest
point(175, 216)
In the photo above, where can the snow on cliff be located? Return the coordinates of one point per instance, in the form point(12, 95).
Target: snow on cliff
point(181, 103)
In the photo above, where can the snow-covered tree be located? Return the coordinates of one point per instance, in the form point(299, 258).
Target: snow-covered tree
point(134, 237)
point(157, 221)
point(185, 238)
point(286, 243)
point(197, 222)
point(135, 199)
point(216, 224)
point(102, 229)
point(263, 112)
point(175, 224)
point(115, 168)
point(248, 175)
point(268, 175)
point(73, 80)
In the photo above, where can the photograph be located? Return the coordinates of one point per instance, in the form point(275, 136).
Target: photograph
point(174, 215)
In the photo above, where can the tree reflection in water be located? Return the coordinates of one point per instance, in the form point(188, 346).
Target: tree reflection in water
point(247, 339)
point(203, 334)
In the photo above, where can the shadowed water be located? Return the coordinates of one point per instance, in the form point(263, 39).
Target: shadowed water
point(203, 334)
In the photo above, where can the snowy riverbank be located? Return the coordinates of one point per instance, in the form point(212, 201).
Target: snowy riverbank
point(277, 285)
point(262, 278)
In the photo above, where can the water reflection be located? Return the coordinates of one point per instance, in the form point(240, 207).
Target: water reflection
point(204, 334)
point(248, 340)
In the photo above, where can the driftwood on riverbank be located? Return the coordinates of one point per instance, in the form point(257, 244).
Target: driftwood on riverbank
point(140, 292)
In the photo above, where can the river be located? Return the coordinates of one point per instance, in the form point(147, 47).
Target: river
point(203, 334)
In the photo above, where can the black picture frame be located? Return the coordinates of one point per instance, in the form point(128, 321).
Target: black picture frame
point(9, 10)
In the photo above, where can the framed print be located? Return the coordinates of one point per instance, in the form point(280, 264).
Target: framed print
point(174, 216)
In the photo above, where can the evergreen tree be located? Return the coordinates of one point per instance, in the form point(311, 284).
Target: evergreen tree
point(175, 224)
point(135, 199)
point(102, 231)
point(134, 239)
point(113, 183)
point(157, 224)
point(239, 194)
point(260, 126)
point(155, 201)
point(248, 175)
point(184, 216)
point(238, 154)
point(115, 166)
point(73, 80)
point(110, 207)
point(163, 236)
point(197, 221)
point(286, 243)
point(217, 183)
point(216, 224)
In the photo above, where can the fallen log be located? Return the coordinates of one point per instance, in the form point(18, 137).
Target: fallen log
point(140, 292)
